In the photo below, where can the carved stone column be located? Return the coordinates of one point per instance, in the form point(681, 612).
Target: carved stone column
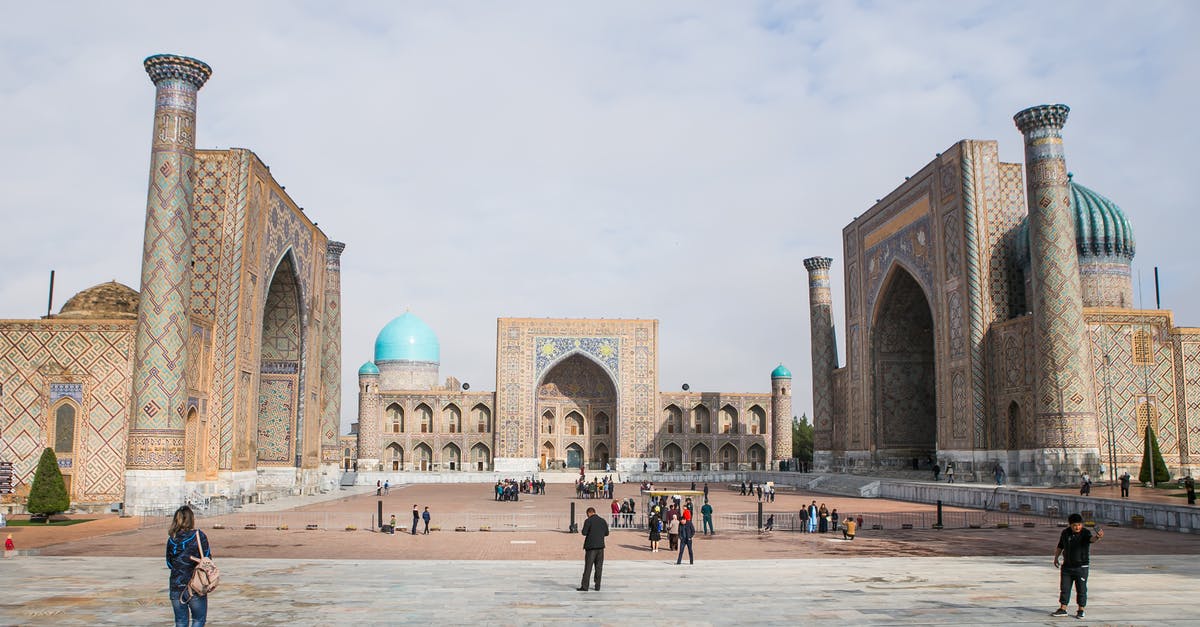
point(331, 355)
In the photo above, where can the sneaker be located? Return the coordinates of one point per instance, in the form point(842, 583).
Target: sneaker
point(1059, 612)
point(1079, 614)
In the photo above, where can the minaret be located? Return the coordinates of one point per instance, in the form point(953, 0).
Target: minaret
point(154, 475)
point(781, 416)
point(824, 351)
point(369, 429)
point(1065, 420)
point(331, 355)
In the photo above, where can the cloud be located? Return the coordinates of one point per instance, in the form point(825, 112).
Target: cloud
point(669, 161)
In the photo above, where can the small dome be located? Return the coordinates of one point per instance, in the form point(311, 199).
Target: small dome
point(107, 301)
point(407, 338)
point(781, 372)
point(1101, 228)
point(368, 368)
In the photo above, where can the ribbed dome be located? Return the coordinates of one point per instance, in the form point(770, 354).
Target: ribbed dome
point(1101, 228)
point(368, 368)
point(781, 373)
point(107, 301)
point(407, 338)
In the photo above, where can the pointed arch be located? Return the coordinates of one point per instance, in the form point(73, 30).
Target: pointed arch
point(699, 457)
point(600, 423)
point(728, 456)
point(452, 418)
point(673, 418)
point(548, 422)
point(727, 419)
point(451, 457)
point(573, 423)
point(281, 390)
point(600, 455)
point(482, 418)
point(547, 455)
point(903, 357)
point(673, 456)
point(481, 457)
point(757, 456)
point(758, 420)
point(394, 422)
point(575, 458)
point(701, 419)
point(425, 417)
point(423, 457)
point(394, 456)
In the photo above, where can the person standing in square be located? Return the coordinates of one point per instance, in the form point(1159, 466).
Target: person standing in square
point(595, 529)
point(1074, 545)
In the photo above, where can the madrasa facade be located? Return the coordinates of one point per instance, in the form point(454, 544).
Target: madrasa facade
point(990, 320)
point(570, 394)
point(221, 375)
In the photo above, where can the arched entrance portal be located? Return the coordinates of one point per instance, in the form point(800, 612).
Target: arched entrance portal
point(905, 385)
point(582, 393)
point(279, 426)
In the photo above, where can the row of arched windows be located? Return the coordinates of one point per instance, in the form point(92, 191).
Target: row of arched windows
point(574, 424)
point(450, 457)
point(699, 457)
point(699, 420)
point(450, 421)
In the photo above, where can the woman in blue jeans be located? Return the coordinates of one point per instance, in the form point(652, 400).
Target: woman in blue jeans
point(184, 542)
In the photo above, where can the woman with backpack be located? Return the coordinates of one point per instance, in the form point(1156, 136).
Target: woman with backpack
point(656, 528)
point(185, 546)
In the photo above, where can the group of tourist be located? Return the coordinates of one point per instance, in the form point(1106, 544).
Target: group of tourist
point(598, 488)
point(418, 517)
point(764, 492)
point(622, 512)
point(511, 489)
point(818, 519)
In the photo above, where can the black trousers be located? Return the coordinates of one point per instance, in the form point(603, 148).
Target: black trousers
point(1077, 576)
point(685, 544)
point(592, 558)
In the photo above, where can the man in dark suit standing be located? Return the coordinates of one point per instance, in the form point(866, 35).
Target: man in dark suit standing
point(594, 531)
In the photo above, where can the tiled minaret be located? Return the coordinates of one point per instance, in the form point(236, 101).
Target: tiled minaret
point(1065, 419)
point(331, 355)
point(154, 464)
point(781, 416)
point(369, 429)
point(824, 352)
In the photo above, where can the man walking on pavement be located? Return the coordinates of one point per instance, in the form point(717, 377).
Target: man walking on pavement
point(1125, 485)
point(595, 529)
point(425, 517)
point(416, 518)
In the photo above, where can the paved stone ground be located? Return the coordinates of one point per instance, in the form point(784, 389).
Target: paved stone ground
point(1128, 590)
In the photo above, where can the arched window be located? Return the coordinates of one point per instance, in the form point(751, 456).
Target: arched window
point(64, 428)
point(728, 417)
point(453, 418)
point(700, 420)
point(548, 422)
point(758, 420)
point(574, 423)
point(483, 418)
point(674, 419)
point(426, 416)
point(396, 418)
point(600, 424)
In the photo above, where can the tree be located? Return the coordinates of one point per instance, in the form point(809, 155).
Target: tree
point(48, 494)
point(1152, 461)
point(802, 438)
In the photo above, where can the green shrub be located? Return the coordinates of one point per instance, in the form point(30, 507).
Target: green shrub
point(48, 494)
point(1152, 461)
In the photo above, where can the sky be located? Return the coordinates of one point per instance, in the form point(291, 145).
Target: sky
point(667, 160)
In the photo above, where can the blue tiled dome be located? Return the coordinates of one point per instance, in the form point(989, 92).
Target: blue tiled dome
point(781, 373)
point(407, 338)
point(368, 368)
point(1101, 228)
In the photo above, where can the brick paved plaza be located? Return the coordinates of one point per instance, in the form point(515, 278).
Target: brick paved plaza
point(333, 576)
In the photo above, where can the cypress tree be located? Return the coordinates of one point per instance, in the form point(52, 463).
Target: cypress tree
point(48, 494)
point(1153, 464)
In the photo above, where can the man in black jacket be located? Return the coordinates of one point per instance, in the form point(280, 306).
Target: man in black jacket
point(594, 531)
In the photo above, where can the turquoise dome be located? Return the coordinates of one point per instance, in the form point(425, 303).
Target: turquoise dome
point(1101, 228)
point(407, 338)
point(368, 368)
point(781, 373)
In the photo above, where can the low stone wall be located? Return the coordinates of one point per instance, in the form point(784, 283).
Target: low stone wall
point(1182, 518)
